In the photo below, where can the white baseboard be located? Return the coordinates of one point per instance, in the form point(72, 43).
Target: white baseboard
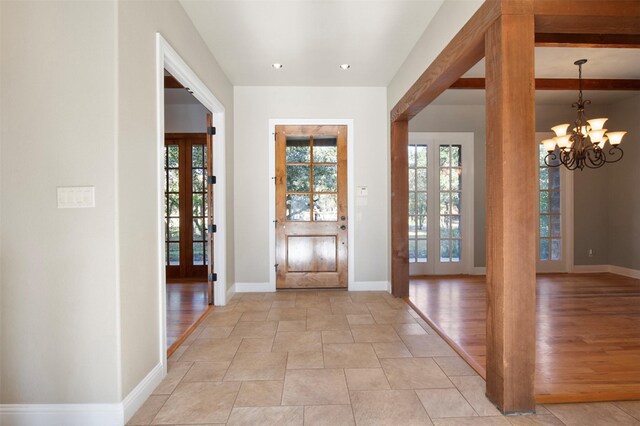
point(140, 393)
point(61, 414)
point(590, 269)
point(254, 288)
point(230, 292)
point(478, 270)
point(370, 286)
point(627, 272)
point(82, 414)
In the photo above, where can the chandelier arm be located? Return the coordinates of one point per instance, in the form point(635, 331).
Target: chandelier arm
point(615, 151)
point(550, 159)
point(595, 158)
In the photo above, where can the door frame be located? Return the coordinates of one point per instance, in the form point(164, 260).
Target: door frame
point(350, 192)
point(167, 58)
point(466, 139)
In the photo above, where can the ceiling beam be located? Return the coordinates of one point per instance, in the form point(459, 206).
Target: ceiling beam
point(170, 82)
point(587, 17)
point(559, 84)
point(630, 41)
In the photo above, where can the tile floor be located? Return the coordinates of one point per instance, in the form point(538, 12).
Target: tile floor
point(334, 358)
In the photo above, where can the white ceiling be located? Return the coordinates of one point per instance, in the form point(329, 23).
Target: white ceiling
point(311, 38)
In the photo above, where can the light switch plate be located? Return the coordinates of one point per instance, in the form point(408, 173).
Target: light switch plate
point(76, 197)
point(363, 191)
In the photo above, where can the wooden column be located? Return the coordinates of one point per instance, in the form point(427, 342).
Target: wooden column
point(511, 212)
point(400, 208)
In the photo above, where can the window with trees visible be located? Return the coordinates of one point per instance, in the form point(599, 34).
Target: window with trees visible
point(172, 204)
point(312, 178)
point(186, 205)
point(418, 203)
point(550, 218)
point(450, 184)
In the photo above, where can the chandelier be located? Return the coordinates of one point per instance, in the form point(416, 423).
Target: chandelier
point(586, 143)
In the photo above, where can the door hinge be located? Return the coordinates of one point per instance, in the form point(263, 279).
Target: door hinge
point(213, 277)
point(211, 131)
point(275, 136)
point(212, 228)
point(276, 267)
point(211, 180)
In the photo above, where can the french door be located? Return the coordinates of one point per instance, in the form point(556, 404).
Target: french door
point(311, 206)
point(186, 205)
point(555, 226)
point(440, 203)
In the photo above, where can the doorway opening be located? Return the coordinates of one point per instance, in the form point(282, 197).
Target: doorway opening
point(203, 164)
point(188, 246)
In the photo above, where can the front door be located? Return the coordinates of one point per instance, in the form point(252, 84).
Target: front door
point(311, 206)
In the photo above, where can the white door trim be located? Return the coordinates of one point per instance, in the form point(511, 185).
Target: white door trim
point(167, 57)
point(350, 192)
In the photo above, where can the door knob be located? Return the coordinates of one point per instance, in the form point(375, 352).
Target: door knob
point(343, 227)
point(342, 217)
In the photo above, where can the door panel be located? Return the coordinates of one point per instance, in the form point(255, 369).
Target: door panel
point(311, 206)
point(311, 254)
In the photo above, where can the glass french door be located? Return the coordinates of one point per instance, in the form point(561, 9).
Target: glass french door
point(440, 203)
point(186, 206)
point(554, 243)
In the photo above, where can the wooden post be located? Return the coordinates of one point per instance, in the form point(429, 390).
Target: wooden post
point(511, 212)
point(400, 208)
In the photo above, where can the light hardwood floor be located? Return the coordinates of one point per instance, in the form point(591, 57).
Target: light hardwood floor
point(186, 304)
point(334, 358)
point(588, 331)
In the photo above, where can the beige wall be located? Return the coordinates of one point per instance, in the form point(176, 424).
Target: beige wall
point(451, 16)
point(79, 287)
point(623, 193)
point(59, 329)
point(185, 118)
point(254, 106)
point(138, 23)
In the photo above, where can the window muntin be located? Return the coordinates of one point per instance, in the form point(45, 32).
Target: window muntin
point(311, 178)
point(550, 224)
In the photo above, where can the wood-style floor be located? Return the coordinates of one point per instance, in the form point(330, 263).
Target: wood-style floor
point(186, 305)
point(588, 331)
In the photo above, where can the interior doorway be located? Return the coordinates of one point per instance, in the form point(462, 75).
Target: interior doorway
point(188, 211)
point(311, 207)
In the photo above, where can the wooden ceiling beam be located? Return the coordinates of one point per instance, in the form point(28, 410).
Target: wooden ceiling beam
point(620, 41)
point(170, 82)
point(587, 17)
point(559, 84)
point(463, 51)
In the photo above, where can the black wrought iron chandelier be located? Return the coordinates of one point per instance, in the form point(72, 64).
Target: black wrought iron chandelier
point(586, 144)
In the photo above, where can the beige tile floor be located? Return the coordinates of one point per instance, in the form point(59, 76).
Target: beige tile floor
point(334, 358)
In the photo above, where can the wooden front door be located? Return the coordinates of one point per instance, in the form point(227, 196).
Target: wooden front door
point(311, 206)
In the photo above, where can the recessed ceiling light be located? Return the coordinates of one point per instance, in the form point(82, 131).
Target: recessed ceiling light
point(345, 66)
point(277, 66)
